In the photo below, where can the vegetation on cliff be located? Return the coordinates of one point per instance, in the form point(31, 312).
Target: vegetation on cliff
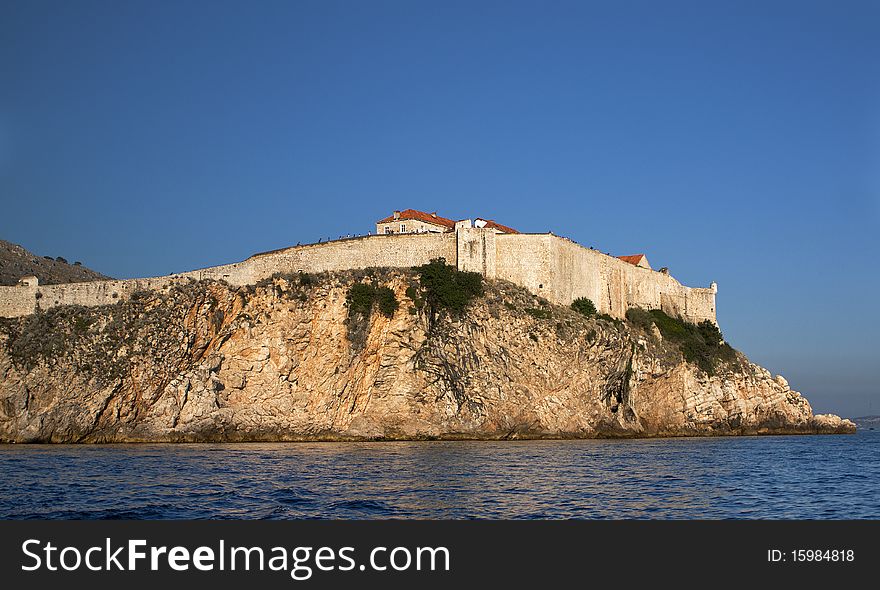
point(701, 344)
point(286, 284)
point(584, 306)
point(445, 288)
point(363, 296)
point(361, 299)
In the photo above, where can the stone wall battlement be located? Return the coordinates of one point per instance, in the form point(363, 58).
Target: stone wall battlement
point(548, 265)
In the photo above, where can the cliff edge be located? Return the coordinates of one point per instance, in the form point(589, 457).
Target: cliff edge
point(289, 359)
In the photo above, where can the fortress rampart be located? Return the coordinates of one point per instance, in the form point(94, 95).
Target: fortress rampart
point(561, 271)
point(548, 265)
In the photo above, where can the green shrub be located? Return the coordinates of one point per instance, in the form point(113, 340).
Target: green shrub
point(710, 333)
point(640, 317)
point(413, 295)
point(305, 279)
point(702, 345)
point(387, 301)
point(362, 296)
point(671, 328)
point(446, 288)
point(584, 306)
point(360, 299)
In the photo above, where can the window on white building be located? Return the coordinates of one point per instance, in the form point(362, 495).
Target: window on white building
point(387, 229)
point(403, 228)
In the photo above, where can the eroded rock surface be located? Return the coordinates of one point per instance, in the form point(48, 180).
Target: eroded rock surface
point(281, 361)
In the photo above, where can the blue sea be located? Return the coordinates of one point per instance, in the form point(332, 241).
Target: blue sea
point(773, 477)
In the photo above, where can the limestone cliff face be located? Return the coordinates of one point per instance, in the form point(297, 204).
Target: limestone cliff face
point(282, 361)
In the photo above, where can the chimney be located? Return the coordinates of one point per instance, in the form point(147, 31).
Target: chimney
point(397, 215)
point(434, 214)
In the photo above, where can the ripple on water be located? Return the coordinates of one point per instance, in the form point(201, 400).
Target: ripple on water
point(370, 508)
point(821, 477)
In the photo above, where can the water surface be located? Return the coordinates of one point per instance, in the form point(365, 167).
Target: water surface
point(798, 477)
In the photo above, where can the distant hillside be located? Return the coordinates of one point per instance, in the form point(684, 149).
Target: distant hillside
point(16, 262)
point(867, 421)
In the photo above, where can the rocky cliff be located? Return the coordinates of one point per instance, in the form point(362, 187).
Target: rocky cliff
point(285, 360)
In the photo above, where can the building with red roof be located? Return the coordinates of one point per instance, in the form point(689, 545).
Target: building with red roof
point(480, 222)
point(413, 221)
point(637, 260)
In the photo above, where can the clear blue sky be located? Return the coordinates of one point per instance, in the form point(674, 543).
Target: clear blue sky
point(737, 142)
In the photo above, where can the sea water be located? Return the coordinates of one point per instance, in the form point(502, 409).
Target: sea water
point(767, 477)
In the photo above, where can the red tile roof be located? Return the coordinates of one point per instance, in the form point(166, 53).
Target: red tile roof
point(633, 258)
point(499, 227)
point(420, 216)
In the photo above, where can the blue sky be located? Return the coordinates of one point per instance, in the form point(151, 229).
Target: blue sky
point(730, 141)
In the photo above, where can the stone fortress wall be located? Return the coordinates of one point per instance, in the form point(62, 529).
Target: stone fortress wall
point(395, 250)
point(548, 265)
point(561, 271)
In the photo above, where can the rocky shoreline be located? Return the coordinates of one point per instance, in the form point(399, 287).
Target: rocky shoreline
point(285, 360)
